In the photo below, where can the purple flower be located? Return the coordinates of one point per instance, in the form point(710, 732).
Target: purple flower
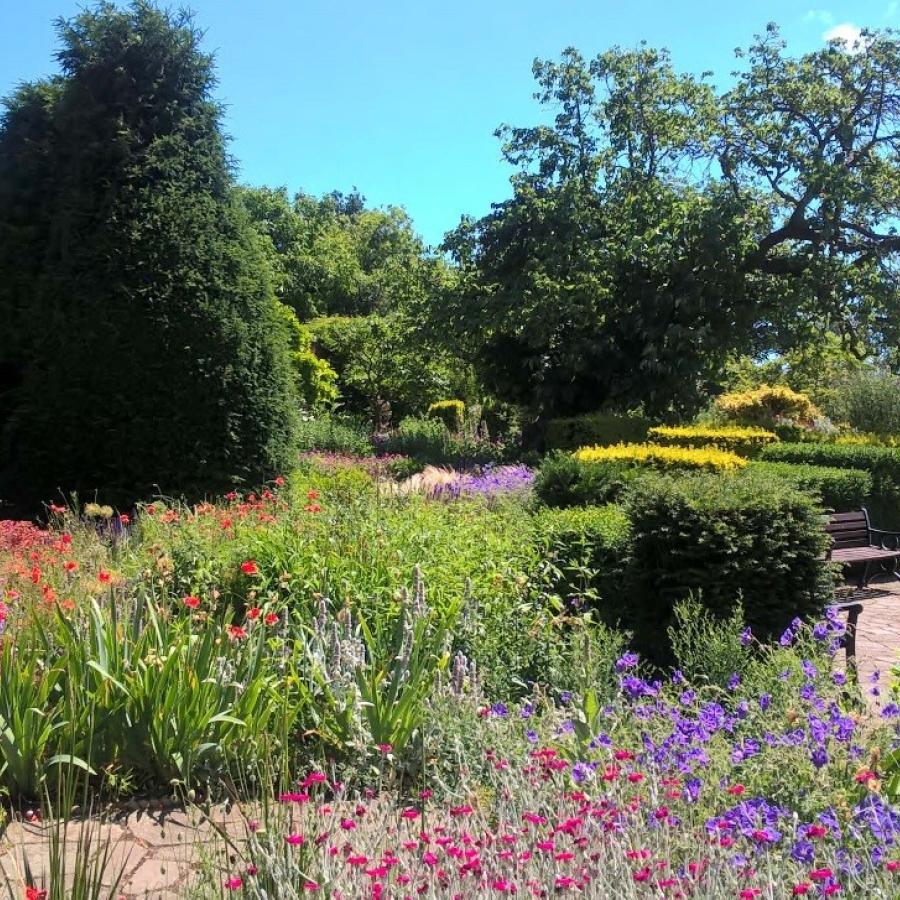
point(765, 701)
point(839, 678)
point(626, 661)
point(809, 670)
point(787, 638)
point(819, 757)
point(500, 710)
point(527, 710)
point(890, 711)
point(746, 636)
point(581, 771)
point(531, 736)
point(734, 681)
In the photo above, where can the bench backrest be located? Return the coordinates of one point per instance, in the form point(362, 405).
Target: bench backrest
point(849, 529)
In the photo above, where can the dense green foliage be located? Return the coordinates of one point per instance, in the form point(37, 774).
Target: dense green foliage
point(583, 552)
point(882, 463)
point(142, 343)
point(869, 401)
point(573, 432)
point(722, 539)
point(564, 481)
point(840, 490)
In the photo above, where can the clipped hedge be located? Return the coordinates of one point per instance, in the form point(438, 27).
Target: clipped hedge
point(451, 412)
point(722, 539)
point(841, 490)
point(882, 464)
point(562, 481)
point(594, 428)
point(583, 554)
point(709, 459)
point(745, 441)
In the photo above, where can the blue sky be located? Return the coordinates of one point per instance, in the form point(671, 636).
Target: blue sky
point(400, 98)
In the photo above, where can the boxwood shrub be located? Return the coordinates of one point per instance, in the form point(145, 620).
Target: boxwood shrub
point(840, 490)
point(882, 463)
point(583, 553)
point(563, 481)
point(594, 428)
point(722, 539)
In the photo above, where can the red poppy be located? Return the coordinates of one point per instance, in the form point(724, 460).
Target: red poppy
point(249, 567)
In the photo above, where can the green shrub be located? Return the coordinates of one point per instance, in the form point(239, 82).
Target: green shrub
point(840, 490)
point(333, 435)
point(563, 481)
point(882, 463)
point(594, 428)
point(722, 539)
point(429, 441)
point(868, 401)
point(451, 412)
point(583, 552)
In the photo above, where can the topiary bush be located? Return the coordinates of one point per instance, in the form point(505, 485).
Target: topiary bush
point(745, 441)
point(451, 412)
point(882, 464)
point(749, 538)
point(142, 319)
point(583, 555)
point(840, 490)
point(594, 428)
point(563, 481)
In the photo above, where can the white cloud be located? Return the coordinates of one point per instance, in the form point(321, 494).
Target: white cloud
point(847, 32)
point(821, 16)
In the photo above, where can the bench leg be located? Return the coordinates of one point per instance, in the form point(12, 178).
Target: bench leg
point(850, 636)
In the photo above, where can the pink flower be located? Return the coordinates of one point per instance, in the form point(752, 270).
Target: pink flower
point(295, 840)
point(233, 884)
point(409, 813)
point(821, 874)
point(801, 889)
point(385, 748)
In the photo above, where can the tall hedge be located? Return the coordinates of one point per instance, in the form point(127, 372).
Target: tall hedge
point(722, 538)
point(144, 343)
point(882, 463)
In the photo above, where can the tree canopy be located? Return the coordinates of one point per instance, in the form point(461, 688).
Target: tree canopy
point(658, 227)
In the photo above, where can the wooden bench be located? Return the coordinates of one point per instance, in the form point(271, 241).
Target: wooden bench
point(860, 548)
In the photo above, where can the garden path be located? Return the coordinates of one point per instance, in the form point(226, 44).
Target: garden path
point(878, 634)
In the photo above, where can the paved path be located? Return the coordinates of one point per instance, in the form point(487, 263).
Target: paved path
point(878, 635)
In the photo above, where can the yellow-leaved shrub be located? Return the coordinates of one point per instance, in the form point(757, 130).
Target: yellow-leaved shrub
point(710, 459)
point(743, 440)
point(767, 404)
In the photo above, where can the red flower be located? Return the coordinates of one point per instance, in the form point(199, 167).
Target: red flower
point(191, 602)
point(70, 565)
point(237, 632)
point(821, 874)
point(33, 893)
point(233, 884)
point(312, 508)
point(312, 495)
point(124, 519)
point(801, 889)
point(104, 577)
point(249, 567)
point(253, 613)
point(736, 790)
point(271, 618)
point(280, 481)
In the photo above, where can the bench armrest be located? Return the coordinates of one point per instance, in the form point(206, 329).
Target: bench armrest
point(887, 540)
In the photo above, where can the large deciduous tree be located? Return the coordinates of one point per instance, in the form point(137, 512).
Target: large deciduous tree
point(142, 342)
point(656, 227)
